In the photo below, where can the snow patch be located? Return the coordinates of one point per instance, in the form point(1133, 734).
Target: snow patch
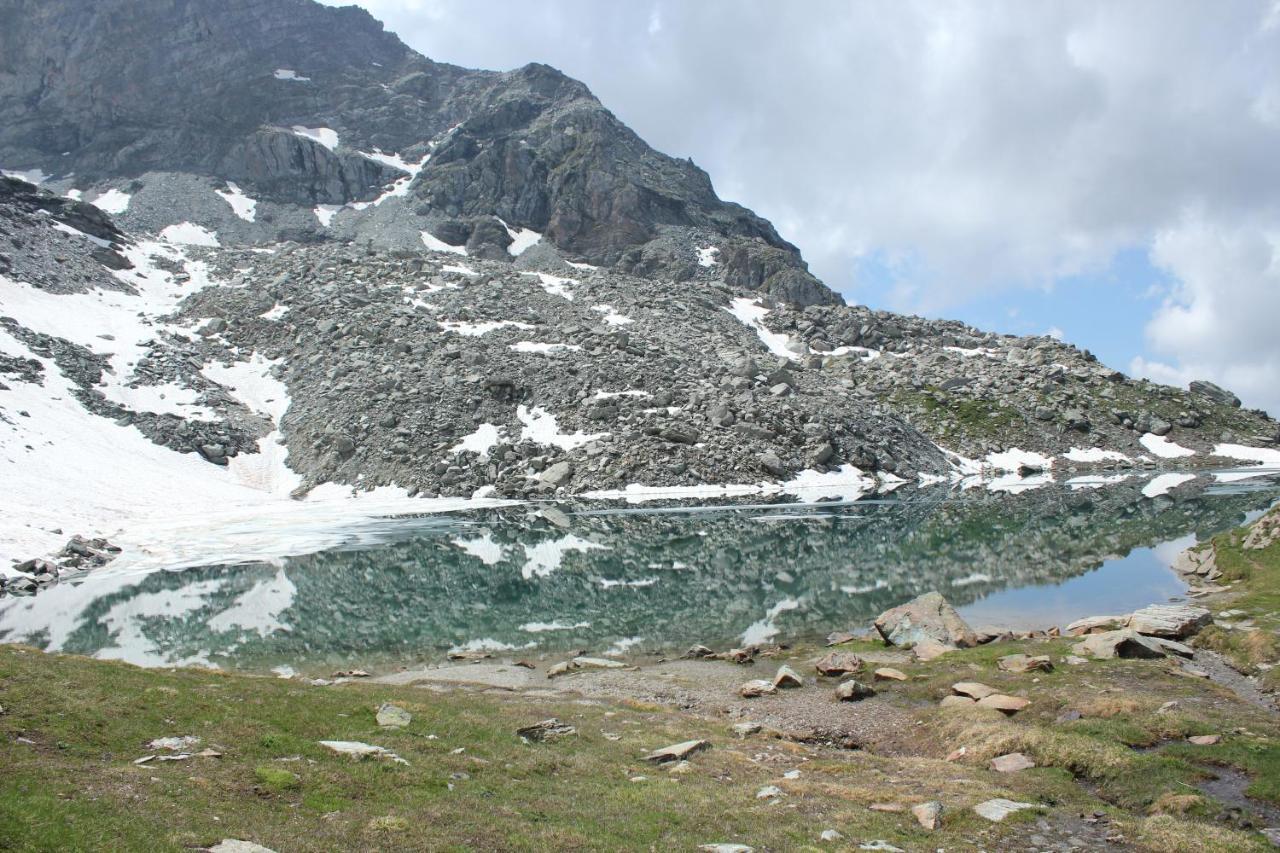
point(612, 317)
point(479, 442)
point(290, 74)
point(475, 330)
point(751, 313)
point(323, 135)
point(325, 213)
point(1267, 457)
point(555, 285)
point(521, 238)
point(707, 256)
point(541, 427)
point(1163, 447)
point(113, 202)
point(1014, 459)
point(189, 234)
point(31, 176)
point(435, 244)
point(243, 206)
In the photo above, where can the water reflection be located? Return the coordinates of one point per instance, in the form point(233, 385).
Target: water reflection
point(616, 580)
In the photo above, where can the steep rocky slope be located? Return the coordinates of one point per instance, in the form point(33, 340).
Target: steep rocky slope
point(322, 118)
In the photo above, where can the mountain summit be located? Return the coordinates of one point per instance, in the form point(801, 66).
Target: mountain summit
point(311, 108)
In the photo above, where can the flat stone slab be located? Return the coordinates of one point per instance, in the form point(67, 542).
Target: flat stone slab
point(1025, 663)
point(998, 809)
point(1125, 643)
point(677, 751)
point(973, 689)
point(235, 845)
point(1011, 763)
point(756, 687)
point(1170, 621)
point(1004, 704)
point(357, 750)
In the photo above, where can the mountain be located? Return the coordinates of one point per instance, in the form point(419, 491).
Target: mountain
point(302, 105)
point(273, 252)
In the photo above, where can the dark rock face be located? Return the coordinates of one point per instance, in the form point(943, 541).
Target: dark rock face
point(282, 165)
point(110, 89)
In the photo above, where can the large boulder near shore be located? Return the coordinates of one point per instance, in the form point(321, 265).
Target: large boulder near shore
point(927, 617)
point(1128, 643)
point(1173, 621)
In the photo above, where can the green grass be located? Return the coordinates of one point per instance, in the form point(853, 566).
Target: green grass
point(70, 782)
point(1255, 579)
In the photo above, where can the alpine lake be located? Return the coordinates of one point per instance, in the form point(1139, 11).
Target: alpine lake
point(542, 580)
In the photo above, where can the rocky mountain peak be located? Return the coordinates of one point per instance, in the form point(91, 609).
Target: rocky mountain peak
point(339, 131)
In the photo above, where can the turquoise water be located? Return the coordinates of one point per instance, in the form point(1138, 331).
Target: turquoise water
point(623, 580)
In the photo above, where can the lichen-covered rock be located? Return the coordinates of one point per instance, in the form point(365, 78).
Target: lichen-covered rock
point(926, 617)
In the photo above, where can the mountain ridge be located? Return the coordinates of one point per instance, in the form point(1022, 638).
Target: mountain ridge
point(222, 90)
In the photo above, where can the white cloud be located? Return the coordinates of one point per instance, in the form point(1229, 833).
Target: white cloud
point(1222, 322)
point(969, 148)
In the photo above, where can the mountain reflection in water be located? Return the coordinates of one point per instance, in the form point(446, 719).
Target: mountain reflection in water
point(610, 581)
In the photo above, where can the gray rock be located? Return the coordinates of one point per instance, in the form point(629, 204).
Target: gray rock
point(1171, 621)
point(926, 617)
point(393, 716)
point(853, 691)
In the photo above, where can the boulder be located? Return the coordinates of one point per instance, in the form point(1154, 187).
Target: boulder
point(558, 474)
point(998, 809)
point(546, 730)
point(1172, 621)
point(853, 691)
point(787, 677)
point(1025, 663)
point(1095, 625)
point(888, 673)
point(1125, 643)
point(973, 689)
point(393, 717)
point(838, 663)
point(927, 617)
point(1011, 763)
point(1216, 393)
point(928, 814)
point(756, 687)
point(1004, 704)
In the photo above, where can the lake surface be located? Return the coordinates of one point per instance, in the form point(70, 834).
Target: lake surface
point(545, 579)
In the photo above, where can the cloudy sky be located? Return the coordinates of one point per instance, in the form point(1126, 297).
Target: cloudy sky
point(1109, 172)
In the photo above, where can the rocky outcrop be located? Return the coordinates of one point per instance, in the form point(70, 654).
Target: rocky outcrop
point(237, 90)
point(282, 165)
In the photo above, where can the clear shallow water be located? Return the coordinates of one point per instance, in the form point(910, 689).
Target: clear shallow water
point(625, 580)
